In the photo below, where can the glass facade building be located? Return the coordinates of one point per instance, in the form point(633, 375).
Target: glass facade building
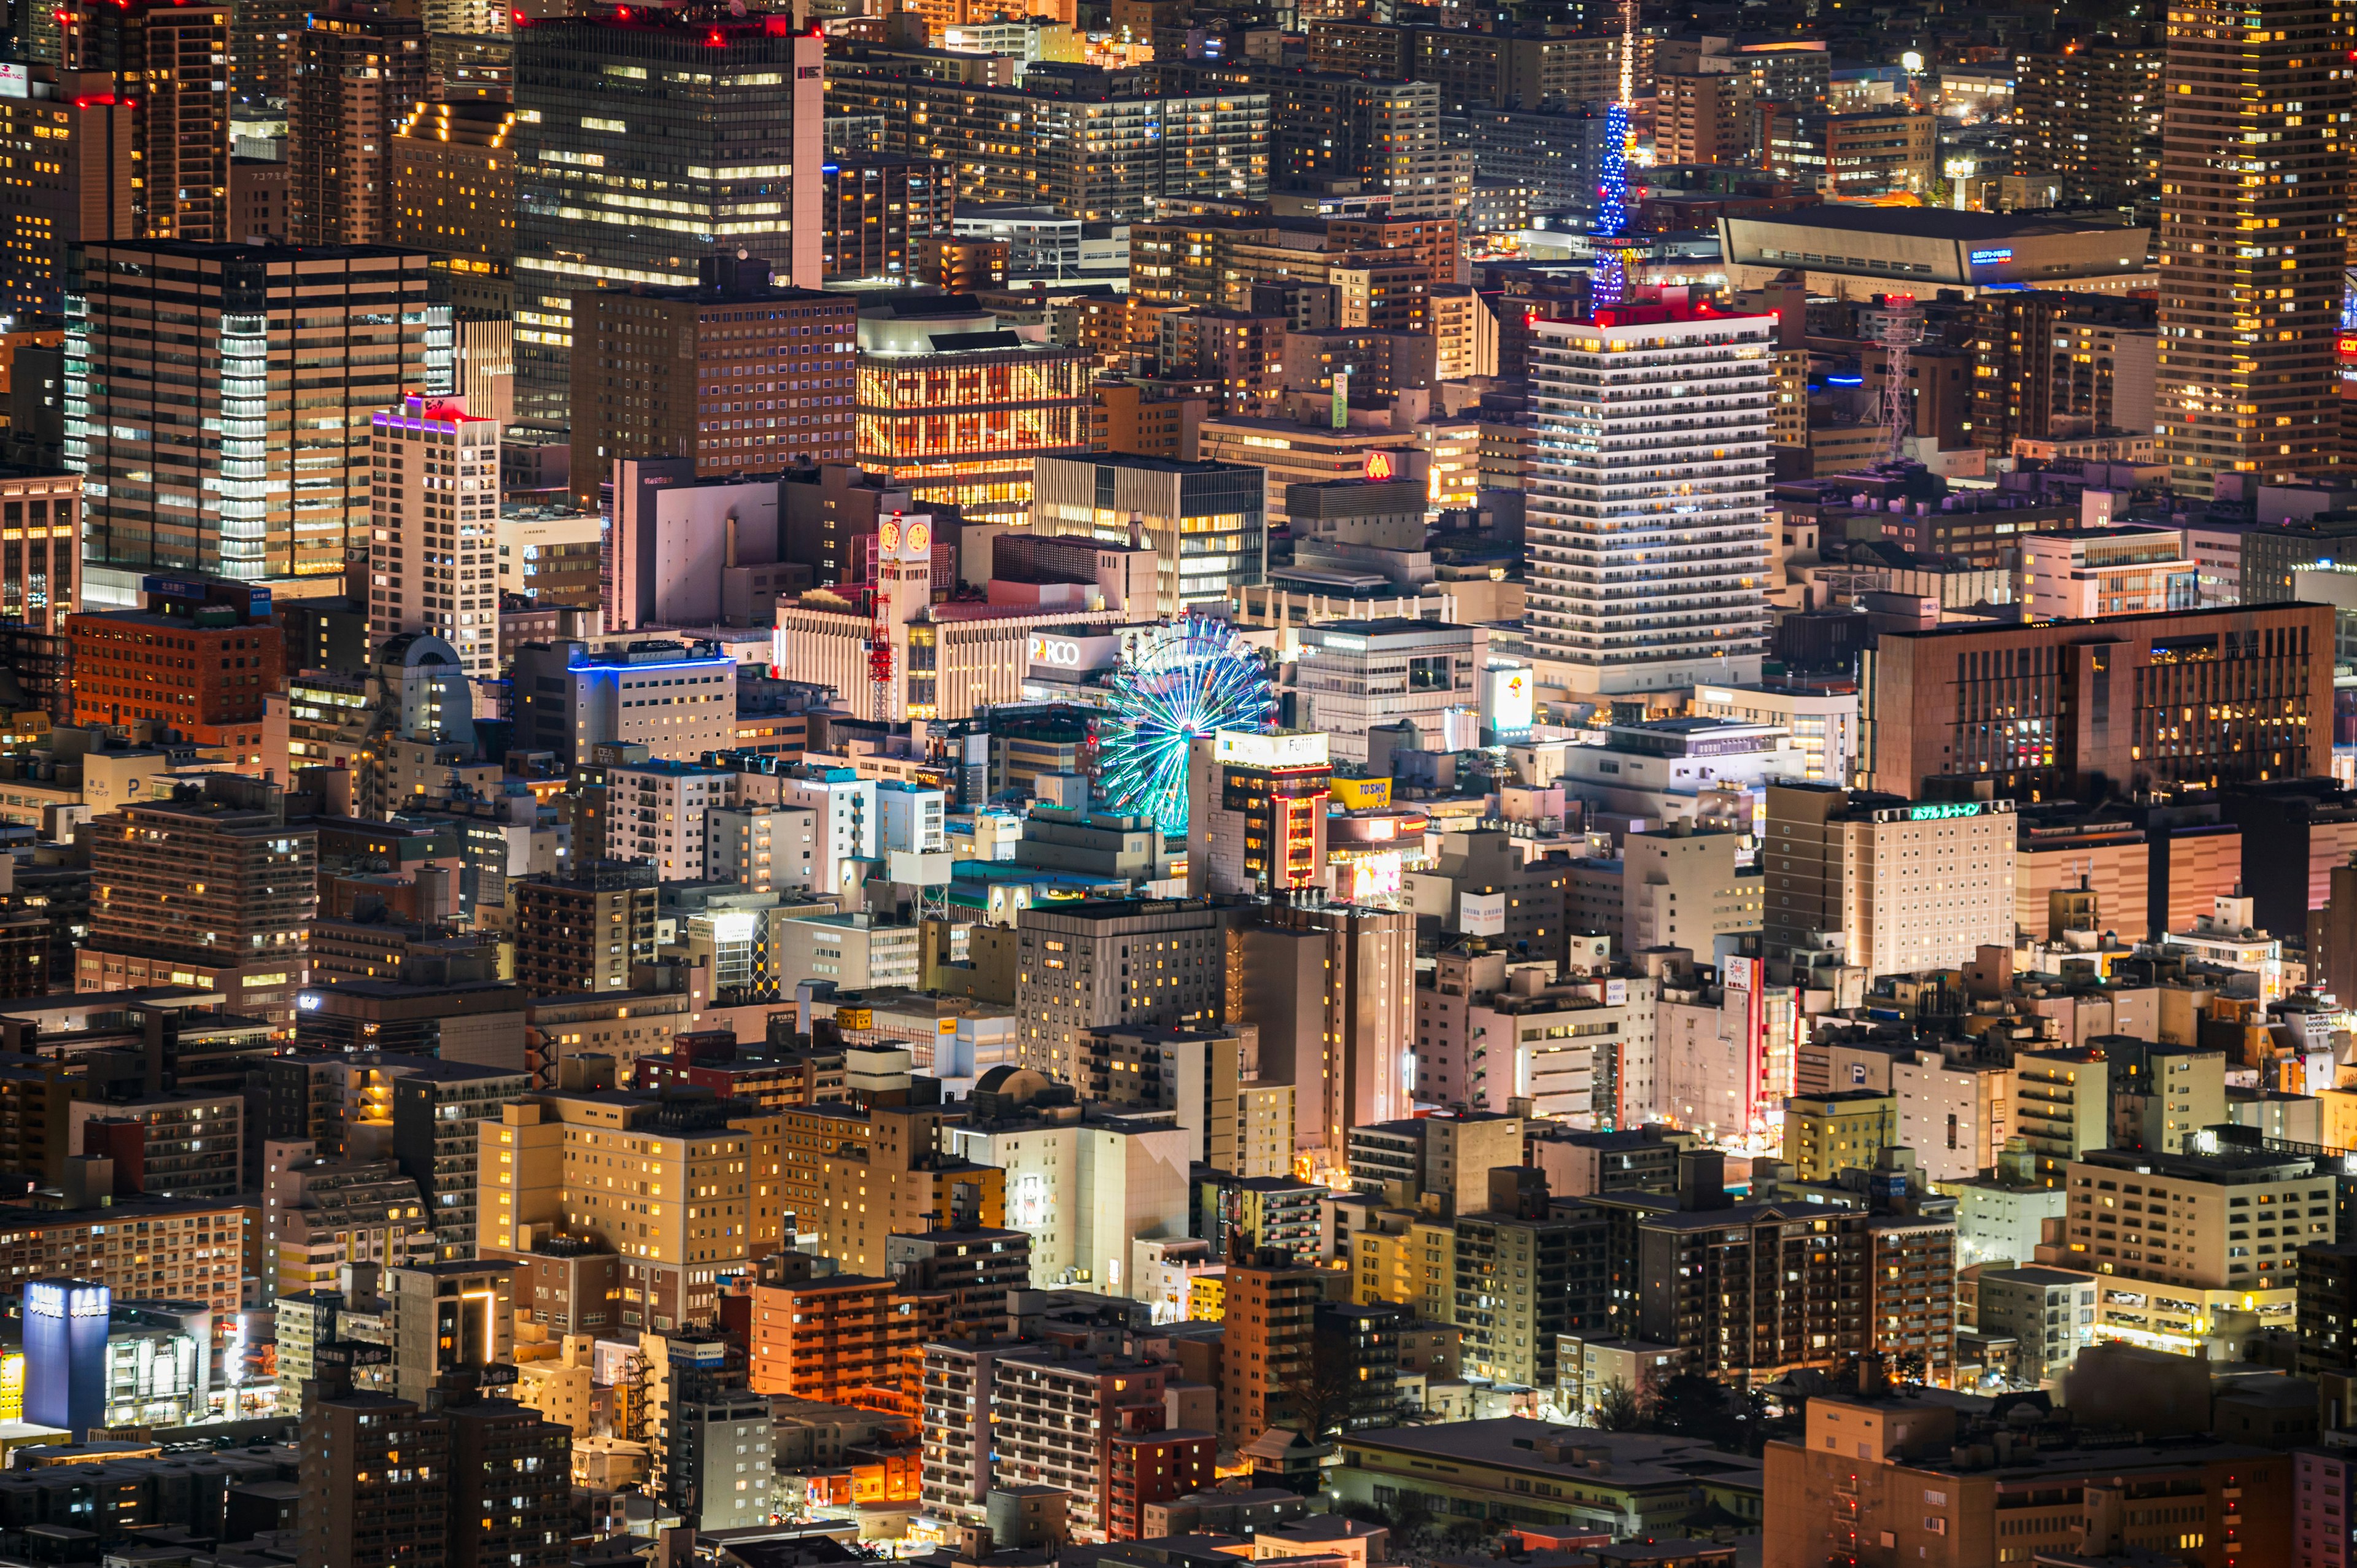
point(218, 399)
point(961, 427)
point(647, 140)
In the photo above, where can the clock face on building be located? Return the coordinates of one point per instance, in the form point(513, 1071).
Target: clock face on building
point(888, 538)
point(920, 538)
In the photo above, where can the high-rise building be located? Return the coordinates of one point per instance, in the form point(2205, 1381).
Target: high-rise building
point(376, 1486)
point(1527, 1272)
point(433, 527)
point(547, 1145)
point(903, 1181)
point(822, 1338)
point(957, 411)
point(2089, 115)
point(67, 149)
point(39, 555)
point(204, 478)
point(621, 180)
point(1702, 117)
point(1646, 497)
point(262, 49)
point(1103, 962)
point(511, 1486)
point(1385, 136)
point(1755, 1289)
point(1891, 884)
point(2326, 1284)
point(738, 376)
point(585, 931)
point(883, 215)
point(2213, 1261)
point(171, 62)
point(210, 887)
point(1271, 1305)
point(2251, 268)
point(445, 1318)
point(358, 77)
point(1341, 1019)
point(438, 1111)
point(453, 181)
point(2047, 362)
point(1099, 145)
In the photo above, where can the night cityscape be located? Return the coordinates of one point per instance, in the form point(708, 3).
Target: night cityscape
point(1141, 783)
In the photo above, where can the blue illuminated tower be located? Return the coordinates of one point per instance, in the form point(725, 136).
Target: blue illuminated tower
point(65, 1354)
point(1612, 285)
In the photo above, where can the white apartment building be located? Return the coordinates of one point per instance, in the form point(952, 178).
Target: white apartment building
point(1647, 498)
point(2093, 572)
point(765, 848)
point(1822, 725)
point(856, 952)
point(655, 812)
point(433, 512)
point(916, 819)
point(1085, 1190)
point(1352, 675)
point(846, 822)
point(1895, 887)
point(2226, 1228)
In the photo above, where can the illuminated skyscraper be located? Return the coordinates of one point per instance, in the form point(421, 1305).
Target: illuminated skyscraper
point(193, 465)
point(358, 76)
point(172, 61)
point(1648, 536)
point(648, 140)
point(431, 563)
point(2254, 234)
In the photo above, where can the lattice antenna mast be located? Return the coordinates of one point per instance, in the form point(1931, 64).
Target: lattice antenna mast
point(1901, 328)
point(1611, 283)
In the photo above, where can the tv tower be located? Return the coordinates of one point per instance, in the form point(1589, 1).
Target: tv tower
point(1612, 285)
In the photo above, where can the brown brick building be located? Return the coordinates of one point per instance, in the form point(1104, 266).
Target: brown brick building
point(2171, 701)
point(201, 667)
point(743, 378)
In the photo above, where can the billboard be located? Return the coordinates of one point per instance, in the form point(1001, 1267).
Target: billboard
point(1507, 700)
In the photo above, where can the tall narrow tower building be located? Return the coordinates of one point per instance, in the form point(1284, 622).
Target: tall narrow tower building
point(2254, 235)
point(1648, 535)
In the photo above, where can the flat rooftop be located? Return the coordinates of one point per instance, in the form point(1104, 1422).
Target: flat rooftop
point(1932, 223)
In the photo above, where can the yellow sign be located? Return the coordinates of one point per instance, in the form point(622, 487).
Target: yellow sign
point(1361, 794)
point(854, 1017)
